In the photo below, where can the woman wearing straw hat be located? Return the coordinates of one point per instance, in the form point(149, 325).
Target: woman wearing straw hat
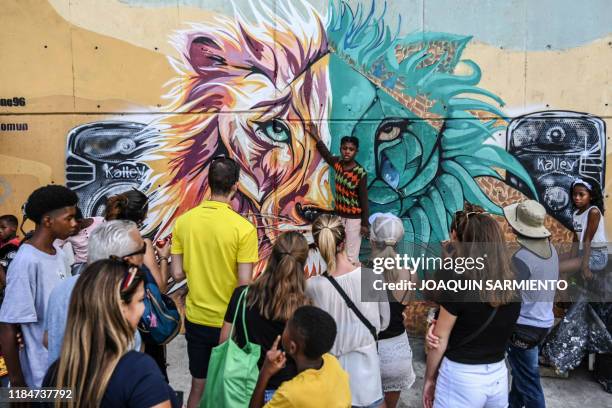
point(536, 259)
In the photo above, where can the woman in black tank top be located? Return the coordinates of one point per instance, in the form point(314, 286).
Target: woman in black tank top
point(474, 326)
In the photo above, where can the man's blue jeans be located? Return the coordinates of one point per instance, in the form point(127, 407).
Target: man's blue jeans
point(526, 390)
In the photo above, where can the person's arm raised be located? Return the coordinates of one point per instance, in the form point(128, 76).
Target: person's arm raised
point(151, 263)
point(323, 150)
point(164, 264)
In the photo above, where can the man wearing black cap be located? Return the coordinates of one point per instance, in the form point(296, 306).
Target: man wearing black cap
point(37, 268)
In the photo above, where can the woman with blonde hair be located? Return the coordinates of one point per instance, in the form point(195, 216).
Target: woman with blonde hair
point(270, 302)
point(358, 322)
point(96, 360)
point(386, 235)
point(466, 367)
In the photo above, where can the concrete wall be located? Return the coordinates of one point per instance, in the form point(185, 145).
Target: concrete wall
point(480, 101)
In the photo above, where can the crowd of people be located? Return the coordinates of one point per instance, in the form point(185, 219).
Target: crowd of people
point(76, 291)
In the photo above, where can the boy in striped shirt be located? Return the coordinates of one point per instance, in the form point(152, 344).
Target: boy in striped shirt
point(351, 191)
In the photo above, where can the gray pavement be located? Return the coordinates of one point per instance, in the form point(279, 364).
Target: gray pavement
point(577, 391)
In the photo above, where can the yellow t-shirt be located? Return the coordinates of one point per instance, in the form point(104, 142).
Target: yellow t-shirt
point(327, 387)
point(213, 239)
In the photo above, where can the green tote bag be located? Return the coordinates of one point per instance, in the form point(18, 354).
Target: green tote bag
point(232, 372)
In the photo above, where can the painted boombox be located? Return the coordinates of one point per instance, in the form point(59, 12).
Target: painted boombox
point(555, 147)
point(102, 160)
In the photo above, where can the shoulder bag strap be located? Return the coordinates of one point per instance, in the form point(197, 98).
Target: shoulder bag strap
point(242, 299)
point(352, 306)
point(475, 334)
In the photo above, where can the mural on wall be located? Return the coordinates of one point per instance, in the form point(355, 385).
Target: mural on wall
point(424, 129)
point(557, 147)
point(245, 84)
point(423, 135)
point(102, 160)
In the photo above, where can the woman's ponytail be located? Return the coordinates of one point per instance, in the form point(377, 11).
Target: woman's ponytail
point(328, 233)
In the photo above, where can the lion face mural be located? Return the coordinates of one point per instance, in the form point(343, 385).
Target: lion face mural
point(246, 87)
point(245, 90)
point(424, 134)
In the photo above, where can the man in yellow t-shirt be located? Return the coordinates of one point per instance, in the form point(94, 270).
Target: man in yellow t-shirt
point(214, 248)
point(321, 381)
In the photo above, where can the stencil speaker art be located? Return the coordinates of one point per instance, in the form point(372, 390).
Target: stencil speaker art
point(102, 159)
point(556, 147)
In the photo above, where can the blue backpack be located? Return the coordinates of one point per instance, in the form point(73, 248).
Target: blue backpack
point(161, 321)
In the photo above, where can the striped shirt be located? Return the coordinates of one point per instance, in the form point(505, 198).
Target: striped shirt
point(351, 187)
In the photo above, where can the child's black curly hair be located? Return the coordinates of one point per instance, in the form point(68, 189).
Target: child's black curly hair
point(46, 199)
point(316, 329)
point(594, 189)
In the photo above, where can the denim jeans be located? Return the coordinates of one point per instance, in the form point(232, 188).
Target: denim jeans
point(526, 390)
point(268, 394)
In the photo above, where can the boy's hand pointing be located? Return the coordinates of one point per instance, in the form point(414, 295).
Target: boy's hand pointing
point(275, 359)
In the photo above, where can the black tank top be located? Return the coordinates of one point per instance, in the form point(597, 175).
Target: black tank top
point(396, 320)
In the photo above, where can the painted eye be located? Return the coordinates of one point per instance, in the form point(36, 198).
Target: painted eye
point(274, 129)
point(126, 146)
point(389, 131)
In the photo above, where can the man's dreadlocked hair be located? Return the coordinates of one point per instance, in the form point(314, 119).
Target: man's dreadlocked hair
point(46, 199)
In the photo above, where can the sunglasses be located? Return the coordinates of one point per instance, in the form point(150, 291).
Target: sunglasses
point(130, 274)
point(462, 213)
point(129, 277)
point(141, 251)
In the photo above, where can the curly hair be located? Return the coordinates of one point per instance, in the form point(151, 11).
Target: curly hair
point(595, 192)
point(316, 329)
point(46, 199)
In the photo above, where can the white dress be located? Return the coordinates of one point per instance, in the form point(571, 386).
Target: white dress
point(354, 347)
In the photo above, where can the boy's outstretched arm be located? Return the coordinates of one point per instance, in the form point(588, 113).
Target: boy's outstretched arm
point(323, 150)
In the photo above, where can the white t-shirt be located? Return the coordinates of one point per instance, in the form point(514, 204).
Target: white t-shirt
point(355, 346)
point(581, 222)
point(30, 278)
